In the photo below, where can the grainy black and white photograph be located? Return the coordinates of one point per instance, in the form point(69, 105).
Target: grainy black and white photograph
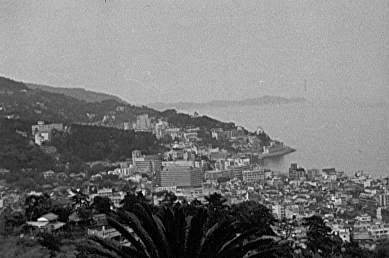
point(194, 129)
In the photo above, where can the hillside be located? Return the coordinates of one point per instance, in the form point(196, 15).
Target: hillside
point(19, 101)
point(92, 128)
point(93, 134)
point(10, 86)
point(265, 100)
point(91, 143)
point(17, 151)
point(77, 93)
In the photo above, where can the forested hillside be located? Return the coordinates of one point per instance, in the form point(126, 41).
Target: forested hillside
point(17, 151)
point(91, 143)
point(93, 133)
point(32, 104)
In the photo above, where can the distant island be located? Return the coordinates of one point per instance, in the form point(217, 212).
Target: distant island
point(265, 100)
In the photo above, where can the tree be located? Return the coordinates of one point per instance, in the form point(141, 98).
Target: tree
point(50, 241)
point(16, 152)
point(130, 200)
point(383, 249)
point(37, 205)
point(10, 220)
point(79, 199)
point(217, 208)
point(320, 239)
point(170, 233)
point(353, 249)
point(62, 212)
point(89, 143)
point(252, 213)
point(102, 204)
point(85, 214)
point(168, 198)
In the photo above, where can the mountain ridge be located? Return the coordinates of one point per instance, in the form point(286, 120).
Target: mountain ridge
point(17, 100)
point(76, 92)
point(264, 100)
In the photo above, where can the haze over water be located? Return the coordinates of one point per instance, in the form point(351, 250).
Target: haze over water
point(348, 137)
point(168, 51)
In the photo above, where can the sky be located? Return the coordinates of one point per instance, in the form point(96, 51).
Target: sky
point(167, 51)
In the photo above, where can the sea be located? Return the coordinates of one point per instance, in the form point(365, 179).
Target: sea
point(347, 136)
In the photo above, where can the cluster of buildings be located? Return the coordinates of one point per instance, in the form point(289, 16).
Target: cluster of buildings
point(42, 132)
point(161, 128)
point(355, 207)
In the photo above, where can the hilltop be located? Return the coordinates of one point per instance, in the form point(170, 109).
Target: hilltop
point(32, 103)
point(77, 93)
point(265, 100)
point(94, 127)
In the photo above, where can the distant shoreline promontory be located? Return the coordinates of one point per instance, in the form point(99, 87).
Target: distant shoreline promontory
point(265, 100)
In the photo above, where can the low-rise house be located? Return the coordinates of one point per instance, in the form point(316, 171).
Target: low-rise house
point(48, 174)
point(48, 222)
point(100, 228)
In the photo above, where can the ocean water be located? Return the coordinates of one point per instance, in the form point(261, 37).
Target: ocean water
point(348, 137)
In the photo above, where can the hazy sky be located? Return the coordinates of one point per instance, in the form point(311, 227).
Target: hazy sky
point(146, 51)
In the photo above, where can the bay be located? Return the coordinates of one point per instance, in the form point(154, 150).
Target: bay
point(348, 137)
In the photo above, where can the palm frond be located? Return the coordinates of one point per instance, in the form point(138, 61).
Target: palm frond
point(162, 241)
point(237, 240)
point(262, 243)
point(92, 249)
point(136, 225)
point(180, 231)
point(195, 234)
point(155, 231)
point(115, 247)
point(127, 235)
point(216, 237)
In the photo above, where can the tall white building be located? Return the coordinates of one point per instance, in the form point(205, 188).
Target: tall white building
point(43, 132)
point(143, 124)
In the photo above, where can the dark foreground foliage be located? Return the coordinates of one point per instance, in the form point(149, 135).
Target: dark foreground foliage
point(214, 229)
point(174, 232)
point(171, 230)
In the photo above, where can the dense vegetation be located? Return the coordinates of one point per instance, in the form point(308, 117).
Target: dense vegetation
point(35, 104)
point(213, 229)
point(10, 85)
point(74, 147)
point(17, 151)
point(78, 93)
point(24, 106)
point(91, 143)
point(173, 229)
point(81, 144)
point(185, 120)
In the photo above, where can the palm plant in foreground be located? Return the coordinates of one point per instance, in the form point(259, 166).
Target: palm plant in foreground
point(170, 233)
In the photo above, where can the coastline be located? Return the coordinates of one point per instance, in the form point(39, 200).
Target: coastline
point(287, 150)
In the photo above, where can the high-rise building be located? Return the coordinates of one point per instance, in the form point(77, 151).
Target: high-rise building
point(160, 128)
point(383, 199)
point(279, 211)
point(255, 175)
point(143, 124)
point(180, 176)
point(296, 173)
point(136, 154)
point(146, 164)
point(313, 173)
